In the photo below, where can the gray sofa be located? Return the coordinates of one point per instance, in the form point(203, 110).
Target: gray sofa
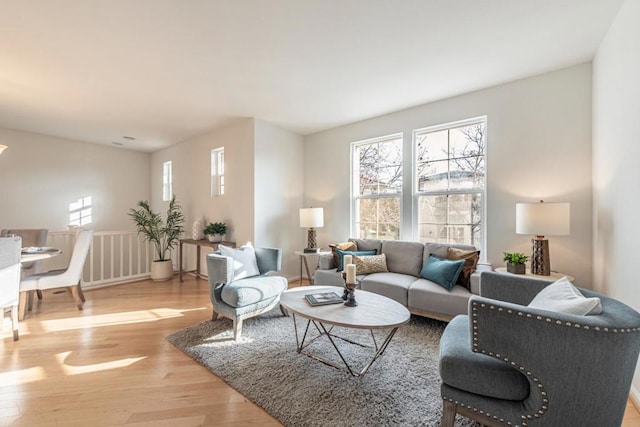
point(403, 282)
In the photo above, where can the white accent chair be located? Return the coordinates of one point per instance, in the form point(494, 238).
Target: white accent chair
point(69, 278)
point(31, 237)
point(10, 248)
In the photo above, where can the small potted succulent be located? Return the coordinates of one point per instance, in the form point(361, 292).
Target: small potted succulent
point(215, 231)
point(515, 262)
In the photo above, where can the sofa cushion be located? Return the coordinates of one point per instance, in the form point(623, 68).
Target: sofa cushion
point(391, 285)
point(470, 258)
point(403, 257)
point(368, 245)
point(426, 295)
point(342, 253)
point(244, 260)
point(562, 296)
point(241, 293)
point(441, 249)
point(475, 372)
point(444, 272)
point(368, 264)
point(346, 246)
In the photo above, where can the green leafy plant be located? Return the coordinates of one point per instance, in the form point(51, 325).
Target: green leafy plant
point(515, 257)
point(216, 228)
point(163, 234)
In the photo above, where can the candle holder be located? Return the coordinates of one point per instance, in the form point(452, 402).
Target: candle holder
point(345, 294)
point(351, 297)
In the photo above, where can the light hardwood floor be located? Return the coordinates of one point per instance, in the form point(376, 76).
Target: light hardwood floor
point(110, 364)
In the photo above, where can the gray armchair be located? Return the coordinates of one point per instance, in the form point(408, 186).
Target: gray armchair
point(507, 364)
point(248, 297)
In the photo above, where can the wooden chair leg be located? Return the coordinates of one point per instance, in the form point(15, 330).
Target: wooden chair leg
point(76, 297)
point(448, 414)
point(30, 301)
point(14, 322)
point(214, 315)
point(39, 293)
point(22, 305)
point(284, 311)
point(81, 293)
point(237, 328)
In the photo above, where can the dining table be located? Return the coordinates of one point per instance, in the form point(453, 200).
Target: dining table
point(31, 254)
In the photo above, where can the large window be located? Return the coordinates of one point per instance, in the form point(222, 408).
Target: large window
point(450, 182)
point(167, 182)
point(377, 187)
point(217, 172)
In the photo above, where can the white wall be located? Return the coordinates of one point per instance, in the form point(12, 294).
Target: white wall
point(278, 192)
point(263, 185)
point(191, 168)
point(41, 175)
point(616, 150)
point(539, 146)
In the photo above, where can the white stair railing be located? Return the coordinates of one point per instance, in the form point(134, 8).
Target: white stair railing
point(114, 257)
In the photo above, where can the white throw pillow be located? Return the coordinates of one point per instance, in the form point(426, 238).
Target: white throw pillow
point(244, 260)
point(563, 297)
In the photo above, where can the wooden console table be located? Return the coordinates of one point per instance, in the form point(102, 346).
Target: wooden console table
point(198, 244)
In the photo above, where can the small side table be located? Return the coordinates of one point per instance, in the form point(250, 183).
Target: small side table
point(304, 256)
point(553, 276)
point(198, 243)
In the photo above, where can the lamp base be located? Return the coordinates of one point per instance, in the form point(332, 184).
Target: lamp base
point(311, 250)
point(540, 259)
point(311, 238)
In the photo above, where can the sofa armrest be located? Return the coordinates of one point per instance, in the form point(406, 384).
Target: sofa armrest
point(325, 262)
point(475, 277)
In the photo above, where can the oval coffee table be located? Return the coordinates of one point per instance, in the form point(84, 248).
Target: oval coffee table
point(373, 312)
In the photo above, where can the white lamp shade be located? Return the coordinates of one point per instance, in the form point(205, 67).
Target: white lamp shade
point(311, 217)
point(543, 219)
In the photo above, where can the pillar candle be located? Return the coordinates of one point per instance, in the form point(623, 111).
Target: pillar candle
point(347, 259)
point(351, 273)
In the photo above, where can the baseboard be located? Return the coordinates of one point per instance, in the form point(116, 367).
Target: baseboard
point(635, 397)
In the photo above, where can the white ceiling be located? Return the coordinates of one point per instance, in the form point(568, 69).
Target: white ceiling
point(165, 70)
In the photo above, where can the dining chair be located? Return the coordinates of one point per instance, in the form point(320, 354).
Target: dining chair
point(31, 237)
point(10, 278)
point(69, 278)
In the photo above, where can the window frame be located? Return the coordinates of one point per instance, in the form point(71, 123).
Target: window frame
point(167, 181)
point(355, 182)
point(217, 172)
point(415, 216)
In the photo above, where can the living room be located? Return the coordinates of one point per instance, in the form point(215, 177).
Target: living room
point(558, 134)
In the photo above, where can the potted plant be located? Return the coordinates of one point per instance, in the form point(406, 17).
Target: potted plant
point(163, 234)
point(515, 262)
point(215, 231)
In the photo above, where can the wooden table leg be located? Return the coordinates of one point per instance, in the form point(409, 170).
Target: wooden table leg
point(197, 261)
point(180, 261)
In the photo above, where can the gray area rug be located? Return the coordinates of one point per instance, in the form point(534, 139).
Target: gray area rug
point(402, 388)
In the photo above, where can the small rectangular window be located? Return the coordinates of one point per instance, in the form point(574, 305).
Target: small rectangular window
point(217, 172)
point(167, 190)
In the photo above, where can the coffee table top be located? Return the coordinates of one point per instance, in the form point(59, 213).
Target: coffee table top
point(373, 311)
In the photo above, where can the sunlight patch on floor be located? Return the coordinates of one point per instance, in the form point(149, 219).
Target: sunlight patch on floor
point(96, 367)
point(123, 318)
point(22, 376)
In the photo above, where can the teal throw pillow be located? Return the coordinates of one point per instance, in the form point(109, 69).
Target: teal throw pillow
point(342, 253)
point(444, 272)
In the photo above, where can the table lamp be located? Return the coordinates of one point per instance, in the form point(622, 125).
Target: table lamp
point(311, 218)
point(542, 219)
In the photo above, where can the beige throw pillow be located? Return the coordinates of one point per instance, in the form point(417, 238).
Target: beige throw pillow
point(470, 264)
point(346, 246)
point(367, 264)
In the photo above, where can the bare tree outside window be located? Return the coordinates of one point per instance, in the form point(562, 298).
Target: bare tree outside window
point(450, 171)
point(377, 174)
